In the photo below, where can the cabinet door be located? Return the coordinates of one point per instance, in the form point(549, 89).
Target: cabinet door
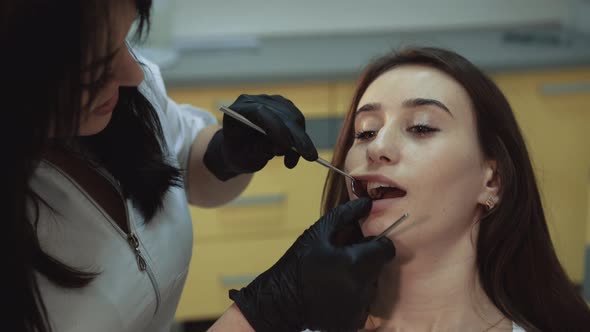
point(235, 243)
point(217, 267)
point(312, 99)
point(277, 201)
point(551, 108)
point(343, 92)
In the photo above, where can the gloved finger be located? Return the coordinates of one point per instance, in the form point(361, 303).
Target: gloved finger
point(281, 105)
point(286, 102)
point(371, 255)
point(276, 130)
point(302, 142)
point(367, 297)
point(347, 235)
point(291, 158)
point(348, 213)
point(286, 109)
point(367, 239)
point(234, 128)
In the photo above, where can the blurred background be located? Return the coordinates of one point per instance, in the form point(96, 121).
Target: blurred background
point(210, 51)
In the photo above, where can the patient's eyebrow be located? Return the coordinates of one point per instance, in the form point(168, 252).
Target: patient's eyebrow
point(415, 102)
point(368, 107)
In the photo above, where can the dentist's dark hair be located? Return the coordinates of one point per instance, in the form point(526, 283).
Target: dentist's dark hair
point(517, 264)
point(45, 48)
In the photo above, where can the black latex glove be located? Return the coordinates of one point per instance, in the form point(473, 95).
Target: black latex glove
point(237, 148)
point(318, 284)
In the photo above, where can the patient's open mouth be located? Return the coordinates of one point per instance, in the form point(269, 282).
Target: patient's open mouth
point(378, 191)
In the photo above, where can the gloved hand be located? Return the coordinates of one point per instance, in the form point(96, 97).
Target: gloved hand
point(318, 284)
point(237, 148)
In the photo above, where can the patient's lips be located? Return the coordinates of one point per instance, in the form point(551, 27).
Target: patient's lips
point(359, 188)
point(382, 190)
point(377, 191)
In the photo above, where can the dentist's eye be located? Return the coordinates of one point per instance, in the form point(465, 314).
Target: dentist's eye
point(422, 130)
point(100, 82)
point(365, 135)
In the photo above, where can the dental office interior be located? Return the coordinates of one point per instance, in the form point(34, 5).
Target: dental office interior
point(310, 51)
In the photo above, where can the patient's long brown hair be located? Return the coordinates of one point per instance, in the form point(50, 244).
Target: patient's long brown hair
point(517, 264)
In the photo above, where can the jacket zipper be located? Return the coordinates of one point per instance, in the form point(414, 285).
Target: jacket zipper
point(133, 241)
point(142, 263)
point(130, 237)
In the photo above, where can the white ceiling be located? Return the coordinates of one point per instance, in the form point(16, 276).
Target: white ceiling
point(224, 40)
point(207, 18)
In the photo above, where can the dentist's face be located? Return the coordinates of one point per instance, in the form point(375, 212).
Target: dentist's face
point(415, 134)
point(123, 71)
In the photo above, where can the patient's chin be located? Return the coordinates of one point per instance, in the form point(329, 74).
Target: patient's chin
point(373, 226)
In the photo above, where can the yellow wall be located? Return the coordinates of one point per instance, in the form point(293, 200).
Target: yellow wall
point(556, 128)
point(588, 219)
point(557, 131)
point(236, 242)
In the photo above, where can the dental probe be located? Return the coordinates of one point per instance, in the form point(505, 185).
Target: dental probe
point(392, 226)
point(357, 188)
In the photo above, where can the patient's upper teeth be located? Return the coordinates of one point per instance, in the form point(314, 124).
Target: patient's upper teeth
point(373, 185)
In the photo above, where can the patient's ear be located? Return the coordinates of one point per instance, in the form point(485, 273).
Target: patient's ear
point(489, 196)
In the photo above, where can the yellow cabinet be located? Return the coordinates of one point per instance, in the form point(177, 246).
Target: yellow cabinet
point(238, 241)
point(217, 267)
point(313, 99)
point(343, 93)
point(277, 201)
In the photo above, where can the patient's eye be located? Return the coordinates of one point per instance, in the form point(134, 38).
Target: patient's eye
point(364, 135)
point(422, 130)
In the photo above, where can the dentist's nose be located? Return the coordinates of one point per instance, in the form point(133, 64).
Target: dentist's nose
point(129, 72)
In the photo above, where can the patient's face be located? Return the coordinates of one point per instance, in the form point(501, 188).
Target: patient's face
point(415, 131)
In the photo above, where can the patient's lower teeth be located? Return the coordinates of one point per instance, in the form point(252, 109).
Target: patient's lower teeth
point(385, 193)
point(376, 193)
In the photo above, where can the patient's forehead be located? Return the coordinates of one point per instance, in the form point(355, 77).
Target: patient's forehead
point(418, 81)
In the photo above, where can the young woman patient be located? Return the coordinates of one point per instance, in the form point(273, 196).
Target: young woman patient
point(429, 134)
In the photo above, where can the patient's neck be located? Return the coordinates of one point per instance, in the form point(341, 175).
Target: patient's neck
point(436, 290)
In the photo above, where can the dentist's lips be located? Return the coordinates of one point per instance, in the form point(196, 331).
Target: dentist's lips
point(109, 106)
point(383, 191)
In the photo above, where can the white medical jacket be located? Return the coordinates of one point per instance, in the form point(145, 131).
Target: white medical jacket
point(79, 233)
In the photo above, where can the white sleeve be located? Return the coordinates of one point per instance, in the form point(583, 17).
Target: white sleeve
point(180, 123)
